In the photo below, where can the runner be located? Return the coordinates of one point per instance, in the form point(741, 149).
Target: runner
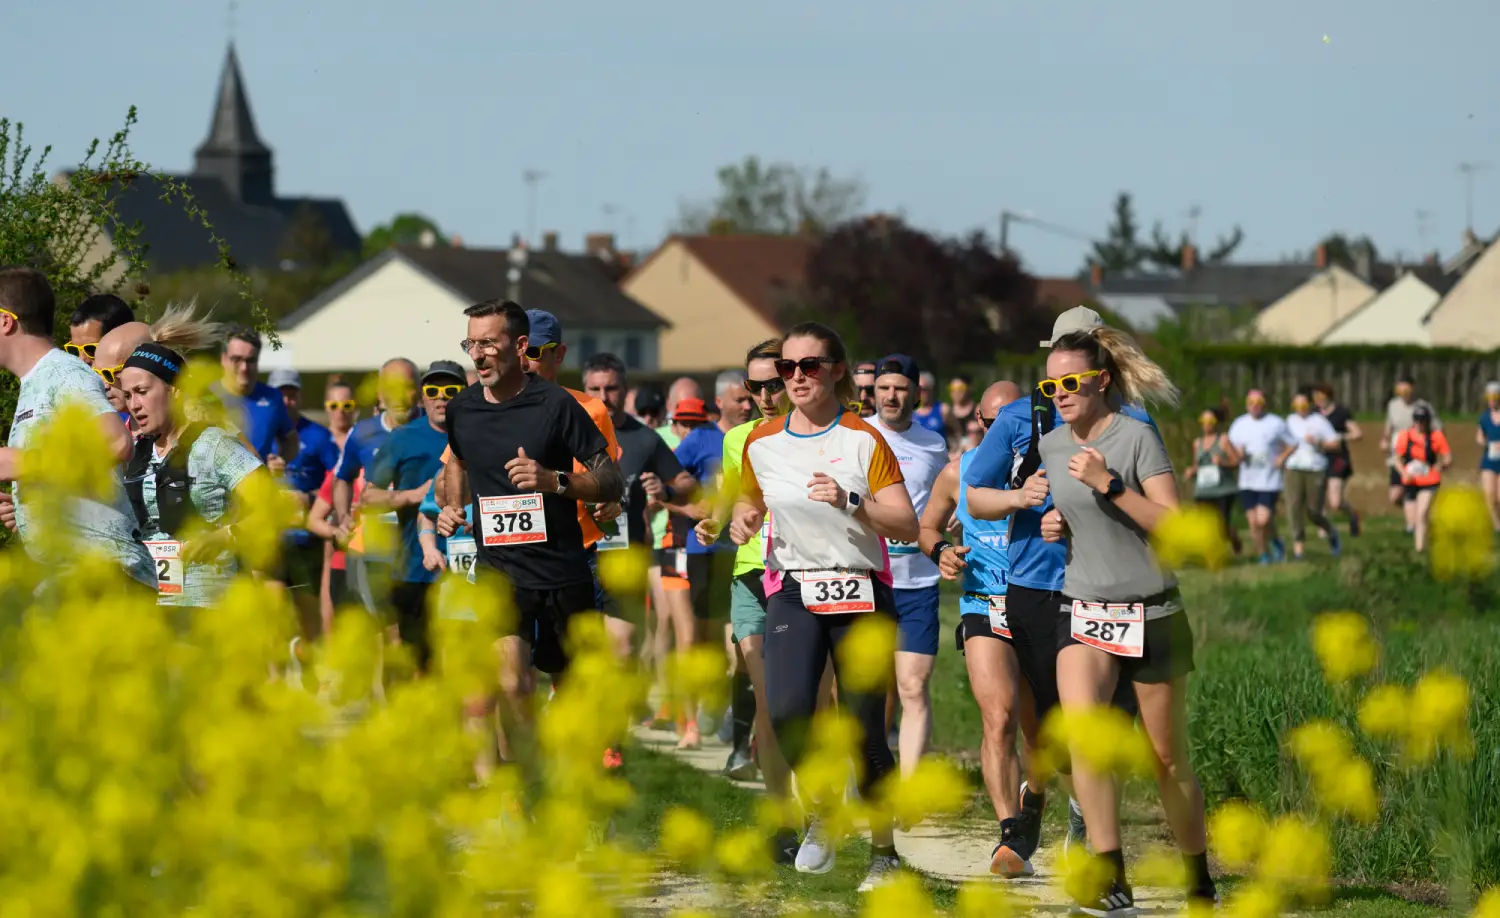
point(959, 408)
point(922, 455)
point(509, 436)
point(1121, 618)
point(178, 329)
point(834, 491)
point(94, 318)
point(187, 484)
point(402, 476)
point(650, 469)
point(929, 413)
point(1215, 458)
point(1261, 439)
point(747, 605)
point(1422, 453)
point(1488, 438)
point(1398, 417)
point(982, 562)
point(256, 409)
point(369, 574)
point(317, 455)
point(1006, 480)
point(1305, 461)
point(50, 378)
point(1340, 464)
point(864, 388)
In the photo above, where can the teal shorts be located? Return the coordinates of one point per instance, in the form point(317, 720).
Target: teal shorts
point(747, 605)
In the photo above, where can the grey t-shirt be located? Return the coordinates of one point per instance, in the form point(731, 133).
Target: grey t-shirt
point(1398, 417)
point(1109, 556)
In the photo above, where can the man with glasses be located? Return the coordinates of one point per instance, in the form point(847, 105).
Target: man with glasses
point(1006, 481)
point(402, 474)
point(255, 408)
point(50, 379)
point(510, 437)
point(94, 318)
point(864, 385)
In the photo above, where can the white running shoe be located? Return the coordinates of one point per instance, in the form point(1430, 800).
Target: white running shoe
point(882, 871)
point(816, 853)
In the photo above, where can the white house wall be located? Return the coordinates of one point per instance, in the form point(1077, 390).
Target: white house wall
point(1392, 317)
point(395, 312)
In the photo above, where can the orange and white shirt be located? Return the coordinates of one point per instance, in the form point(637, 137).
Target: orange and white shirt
point(810, 535)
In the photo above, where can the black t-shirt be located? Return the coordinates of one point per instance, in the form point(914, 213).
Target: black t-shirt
point(1338, 418)
point(642, 450)
point(554, 429)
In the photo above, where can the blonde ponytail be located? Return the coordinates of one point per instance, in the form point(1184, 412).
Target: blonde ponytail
point(181, 331)
point(1136, 377)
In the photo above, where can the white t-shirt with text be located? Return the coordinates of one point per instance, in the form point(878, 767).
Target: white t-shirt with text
point(1309, 457)
point(922, 454)
point(1262, 440)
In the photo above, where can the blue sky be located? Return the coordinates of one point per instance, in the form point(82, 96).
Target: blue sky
point(949, 110)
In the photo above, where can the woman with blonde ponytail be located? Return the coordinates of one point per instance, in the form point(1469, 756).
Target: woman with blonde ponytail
point(1121, 617)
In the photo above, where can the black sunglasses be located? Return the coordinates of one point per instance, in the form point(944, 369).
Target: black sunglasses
point(810, 366)
point(984, 421)
point(757, 386)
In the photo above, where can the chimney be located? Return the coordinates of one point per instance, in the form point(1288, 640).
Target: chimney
point(549, 241)
point(1321, 258)
point(1431, 259)
point(1189, 257)
point(600, 245)
point(456, 241)
point(1096, 275)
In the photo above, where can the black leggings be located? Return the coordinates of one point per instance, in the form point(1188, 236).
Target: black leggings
point(797, 647)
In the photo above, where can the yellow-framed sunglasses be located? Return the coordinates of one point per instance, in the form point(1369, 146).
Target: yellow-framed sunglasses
point(110, 375)
point(81, 351)
point(441, 391)
point(535, 353)
point(1070, 383)
point(347, 404)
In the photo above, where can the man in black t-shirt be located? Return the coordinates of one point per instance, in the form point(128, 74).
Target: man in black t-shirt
point(509, 435)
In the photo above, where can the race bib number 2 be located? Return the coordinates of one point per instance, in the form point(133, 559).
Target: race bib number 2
point(835, 593)
point(518, 520)
point(1118, 628)
point(167, 556)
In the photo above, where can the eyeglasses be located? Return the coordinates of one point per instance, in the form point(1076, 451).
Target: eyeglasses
point(441, 391)
point(810, 366)
point(82, 351)
point(773, 386)
point(535, 353)
point(1070, 383)
point(485, 345)
point(347, 404)
point(110, 375)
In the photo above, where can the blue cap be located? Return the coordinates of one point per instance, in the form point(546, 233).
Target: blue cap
point(899, 364)
point(545, 329)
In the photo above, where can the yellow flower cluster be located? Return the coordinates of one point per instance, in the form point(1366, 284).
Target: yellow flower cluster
point(1343, 781)
point(1432, 716)
point(1103, 737)
point(1461, 534)
point(1191, 536)
point(867, 655)
point(1288, 861)
point(1345, 646)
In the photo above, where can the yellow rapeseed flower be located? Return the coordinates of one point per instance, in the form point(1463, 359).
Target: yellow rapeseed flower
point(687, 837)
point(1439, 716)
point(1385, 712)
point(1344, 645)
point(1488, 905)
point(1237, 832)
point(743, 853)
point(623, 573)
point(900, 897)
point(1296, 859)
point(1461, 534)
point(1162, 868)
point(867, 655)
point(1191, 536)
point(1349, 790)
point(983, 899)
point(1255, 900)
point(1084, 876)
point(1103, 737)
point(698, 673)
point(934, 788)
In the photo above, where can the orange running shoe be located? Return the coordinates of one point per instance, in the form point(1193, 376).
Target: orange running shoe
point(613, 759)
point(690, 738)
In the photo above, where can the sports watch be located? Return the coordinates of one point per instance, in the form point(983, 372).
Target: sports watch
point(563, 482)
point(1115, 488)
point(851, 503)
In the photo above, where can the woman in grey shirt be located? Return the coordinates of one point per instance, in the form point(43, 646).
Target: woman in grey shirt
point(1122, 615)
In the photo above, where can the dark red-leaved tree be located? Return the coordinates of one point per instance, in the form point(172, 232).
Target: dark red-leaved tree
point(891, 288)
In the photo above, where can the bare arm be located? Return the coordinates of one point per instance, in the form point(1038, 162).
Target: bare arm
point(889, 512)
point(396, 500)
point(995, 503)
point(602, 483)
point(940, 506)
point(1149, 508)
point(1352, 431)
point(317, 520)
point(343, 499)
point(1232, 454)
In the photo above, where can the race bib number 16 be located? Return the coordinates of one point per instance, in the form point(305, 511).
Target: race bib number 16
point(518, 520)
point(1118, 628)
point(835, 593)
point(461, 553)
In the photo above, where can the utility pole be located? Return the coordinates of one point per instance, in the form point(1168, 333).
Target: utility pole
point(1468, 170)
point(532, 177)
point(1007, 217)
point(1193, 213)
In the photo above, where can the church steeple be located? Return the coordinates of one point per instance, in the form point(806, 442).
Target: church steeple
point(233, 152)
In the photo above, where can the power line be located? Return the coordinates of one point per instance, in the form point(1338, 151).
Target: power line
point(1008, 217)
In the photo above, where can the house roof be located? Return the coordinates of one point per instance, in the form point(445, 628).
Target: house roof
point(758, 269)
point(1215, 283)
point(575, 288)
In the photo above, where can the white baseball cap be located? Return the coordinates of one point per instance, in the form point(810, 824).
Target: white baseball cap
point(1079, 318)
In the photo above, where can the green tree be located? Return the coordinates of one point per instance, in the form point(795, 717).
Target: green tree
point(1166, 254)
point(1348, 251)
point(1120, 251)
point(404, 229)
point(773, 199)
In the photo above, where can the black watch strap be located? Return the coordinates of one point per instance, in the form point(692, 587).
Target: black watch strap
point(938, 549)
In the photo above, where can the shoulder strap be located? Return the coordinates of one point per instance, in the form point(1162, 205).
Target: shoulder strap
point(1041, 425)
point(135, 471)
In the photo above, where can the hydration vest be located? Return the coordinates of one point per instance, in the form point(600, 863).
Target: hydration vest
point(1041, 425)
point(173, 484)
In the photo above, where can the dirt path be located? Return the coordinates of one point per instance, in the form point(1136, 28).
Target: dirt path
point(952, 850)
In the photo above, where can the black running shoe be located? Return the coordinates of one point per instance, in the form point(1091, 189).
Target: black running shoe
point(1012, 857)
point(784, 845)
point(1117, 902)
